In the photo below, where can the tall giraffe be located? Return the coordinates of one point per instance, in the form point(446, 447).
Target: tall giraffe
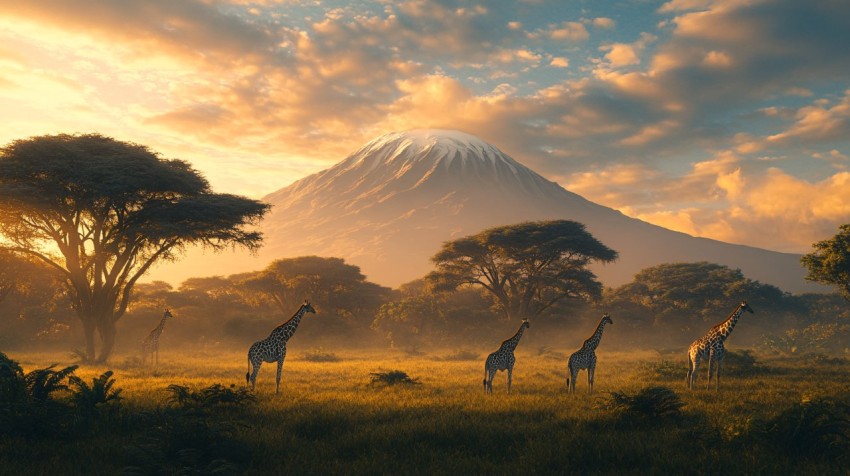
point(273, 347)
point(150, 346)
point(710, 346)
point(585, 358)
point(503, 359)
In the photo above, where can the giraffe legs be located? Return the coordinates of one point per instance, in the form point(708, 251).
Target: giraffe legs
point(591, 372)
point(489, 383)
point(692, 367)
point(571, 379)
point(510, 374)
point(254, 373)
point(277, 380)
point(710, 362)
point(719, 361)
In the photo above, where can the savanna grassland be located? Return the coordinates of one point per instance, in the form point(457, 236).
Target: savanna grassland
point(771, 417)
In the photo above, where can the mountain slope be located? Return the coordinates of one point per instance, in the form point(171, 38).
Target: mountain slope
point(389, 206)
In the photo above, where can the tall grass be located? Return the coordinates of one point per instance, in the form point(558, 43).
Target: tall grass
point(331, 419)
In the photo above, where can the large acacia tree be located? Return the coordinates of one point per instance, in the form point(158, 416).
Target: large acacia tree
point(102, 211)
point(829, 263)
point(330, 282)
point(527, 267)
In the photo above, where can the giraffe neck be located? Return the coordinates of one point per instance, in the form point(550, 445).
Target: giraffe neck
point(725, 328)
point(158, 329)
point(593, 341)
point(511, 343)
point(288, 328)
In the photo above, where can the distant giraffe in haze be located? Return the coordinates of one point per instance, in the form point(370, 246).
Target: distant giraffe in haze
point(273, 347)
point(503, 359)
point(150, 346)
point(585, 358)
point(710, 346)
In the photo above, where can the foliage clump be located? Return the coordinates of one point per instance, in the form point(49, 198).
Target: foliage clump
point(815, 428)
point(393, 377)
point(100, 394)
point(29, 406)
point(651, 402)
point(192, 435)
point(215, 396)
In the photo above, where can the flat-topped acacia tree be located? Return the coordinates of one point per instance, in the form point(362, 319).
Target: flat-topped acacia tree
point(526, 268)
point(102, 211)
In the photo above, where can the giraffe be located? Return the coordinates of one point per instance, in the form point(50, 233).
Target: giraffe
point(503, 359)
point(150, 346)
point(710, 346)
point(585, 358)
point(273, 347)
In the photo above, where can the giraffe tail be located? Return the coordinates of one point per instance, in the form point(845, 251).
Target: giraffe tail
point(248, 373)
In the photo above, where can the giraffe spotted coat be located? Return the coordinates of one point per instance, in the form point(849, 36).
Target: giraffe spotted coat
point(710, 346)
point(273, 347)
point(503, 359)
point(150, 346)
point(585, 358)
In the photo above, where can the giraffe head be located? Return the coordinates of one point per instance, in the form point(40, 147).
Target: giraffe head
point(606, 318)
point(167, 314)
point(525, 324)
point(308, 307)
point(746, 307)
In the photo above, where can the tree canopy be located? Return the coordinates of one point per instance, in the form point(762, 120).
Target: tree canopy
point(527, 267)
point(829, 263)
point(329, 282)
point(102, 211)
point(679, 296)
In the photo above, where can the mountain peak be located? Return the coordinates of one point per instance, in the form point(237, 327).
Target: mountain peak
point(420, 140)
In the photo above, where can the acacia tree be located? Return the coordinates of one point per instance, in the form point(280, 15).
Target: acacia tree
point(527, 267)
point(101, 212)
point(829, 263)
point(330, 282)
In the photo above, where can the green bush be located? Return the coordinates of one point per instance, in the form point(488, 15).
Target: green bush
point(653, 402)
point(392, 377)
point(811, 429)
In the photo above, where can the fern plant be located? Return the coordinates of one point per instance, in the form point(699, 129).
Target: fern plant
point(42, 383)
point(12, 386)
point(216, 395)
point(89, 398)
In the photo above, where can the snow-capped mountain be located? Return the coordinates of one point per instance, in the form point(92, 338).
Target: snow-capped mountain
point(389, 207)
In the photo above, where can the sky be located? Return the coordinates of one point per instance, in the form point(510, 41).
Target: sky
point(726, 119)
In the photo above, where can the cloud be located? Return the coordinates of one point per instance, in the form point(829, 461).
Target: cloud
point(817, 122)
point(713, 92)
point(604, 23)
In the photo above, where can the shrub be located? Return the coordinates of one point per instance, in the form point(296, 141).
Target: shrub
point(815, 428)
point(654, 402)
point(392, 377)
point(214, 396)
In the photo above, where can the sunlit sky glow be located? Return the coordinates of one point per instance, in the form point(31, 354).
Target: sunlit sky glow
point(724, 119)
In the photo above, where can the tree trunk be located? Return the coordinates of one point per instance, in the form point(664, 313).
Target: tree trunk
point(107, 331)
point(88, 330)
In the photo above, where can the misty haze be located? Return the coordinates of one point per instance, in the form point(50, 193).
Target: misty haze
point(426, 237)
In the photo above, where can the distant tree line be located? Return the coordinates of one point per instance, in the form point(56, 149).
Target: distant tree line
point(663, 306)
point(83, 217)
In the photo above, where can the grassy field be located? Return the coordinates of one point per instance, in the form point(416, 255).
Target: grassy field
point(771, 417)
